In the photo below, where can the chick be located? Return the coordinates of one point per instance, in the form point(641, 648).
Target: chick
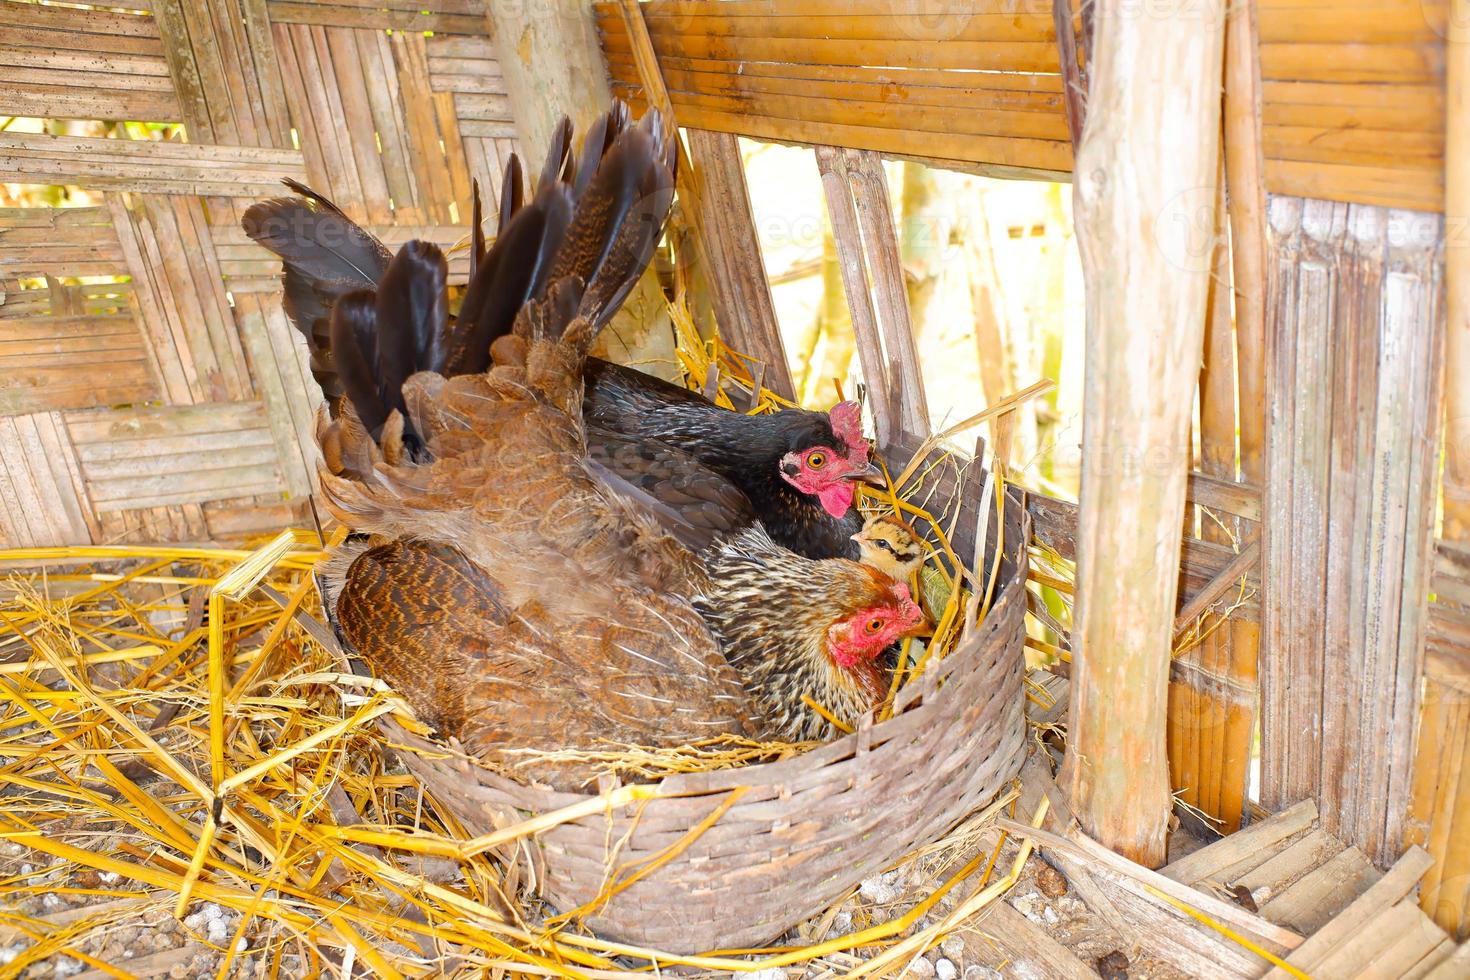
point(890, 545)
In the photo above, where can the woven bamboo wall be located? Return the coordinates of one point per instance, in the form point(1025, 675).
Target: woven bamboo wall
point(167, 398)
point(1353, 92)
point(1439, 818)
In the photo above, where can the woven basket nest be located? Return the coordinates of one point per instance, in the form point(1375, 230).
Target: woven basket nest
point(806, 829)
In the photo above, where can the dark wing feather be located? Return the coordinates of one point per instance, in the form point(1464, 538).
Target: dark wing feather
point(324, 255)
point(411, 319)
point(557, 154)
point(354, 352)
point(477, 228)
point(690, 501)
point(507, 281)
point(599, 139)
point(510, 193)
point(312, 234)
point(620, 217)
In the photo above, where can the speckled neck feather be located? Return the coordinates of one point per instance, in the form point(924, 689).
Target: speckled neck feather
point(780, 647)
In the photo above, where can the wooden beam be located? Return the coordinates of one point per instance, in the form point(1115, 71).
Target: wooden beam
point(1025, 945)
point(1245, 189)
point(1210, 861)
point(1218, 586)
point(1149, 150)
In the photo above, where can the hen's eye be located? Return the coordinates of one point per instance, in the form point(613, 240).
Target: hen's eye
point(875, 624)
point(817, 460)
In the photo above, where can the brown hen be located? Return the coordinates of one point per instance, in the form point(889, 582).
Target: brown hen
point(522, 595)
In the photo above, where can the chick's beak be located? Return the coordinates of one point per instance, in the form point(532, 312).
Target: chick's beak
point(868, 474)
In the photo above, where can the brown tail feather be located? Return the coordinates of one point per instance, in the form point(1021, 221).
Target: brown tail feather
point(509, 278)
point(620, 217)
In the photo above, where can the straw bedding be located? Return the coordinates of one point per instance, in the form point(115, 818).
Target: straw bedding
point(326, 851)
point(192, 709)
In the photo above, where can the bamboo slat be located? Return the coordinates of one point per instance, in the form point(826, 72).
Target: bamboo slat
point(175, 455)
point(1202, 695)
point(34, 241)
point(149, 167)
point(1440, 809)
point(392, 15)
point(737, 275)
point(862, 222)
point(1457, 277)
point(61, 62)
point(1354, 396)
point(1246, 201)
point(72, 362)
point(41, 496)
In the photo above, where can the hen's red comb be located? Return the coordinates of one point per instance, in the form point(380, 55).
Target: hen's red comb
point(847, 423)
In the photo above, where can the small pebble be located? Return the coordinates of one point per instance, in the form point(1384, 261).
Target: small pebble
point(877, 891)
point(953, 947)
point(770, 973)
point(178, 971)
point(1026, 905)
point(1050, 915)
point(921, 968)
point(66, 966)
point(841, 924)
point(8, 953)
point(1050, 881)
point(945, 969)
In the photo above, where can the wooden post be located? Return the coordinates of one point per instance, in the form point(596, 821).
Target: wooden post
point(1146, 170)
point(553, 67)
point(1457, 274)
